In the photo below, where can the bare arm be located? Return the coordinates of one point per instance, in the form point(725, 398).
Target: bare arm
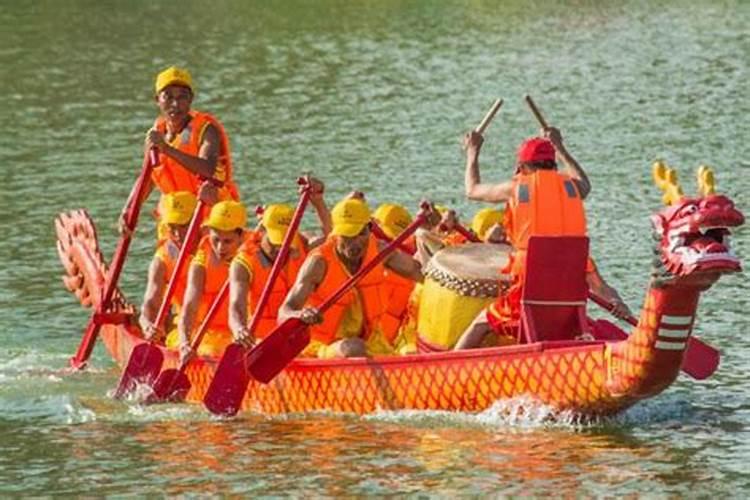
point(600, 287)
point(196, 283)
point(475, 190)
point(208, 155)
point(321, 210)
point(239, 285)
point(572, 167)
point(405, 265)
point(310, 276)
point(153, 297)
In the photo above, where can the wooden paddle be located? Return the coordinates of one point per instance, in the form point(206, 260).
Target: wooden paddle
point(700, 361)
point(134, 204)
point(227, 389)
point(172, 384)
point(284, 343)
point(146, 358)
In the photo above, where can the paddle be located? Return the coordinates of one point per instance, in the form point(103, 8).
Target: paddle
point(134, 203)
point(172, 384)
point(227, 388)
point(378, 232)
point(700, 361)
point(289, 338)
point(146, 358)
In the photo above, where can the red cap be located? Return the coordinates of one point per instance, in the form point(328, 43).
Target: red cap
point(536, 149)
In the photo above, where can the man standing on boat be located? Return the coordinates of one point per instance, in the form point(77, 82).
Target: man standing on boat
point(540, 201)
point(361, 322)
point(193, 146)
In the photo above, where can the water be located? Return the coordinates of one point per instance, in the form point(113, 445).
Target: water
point(372, 96)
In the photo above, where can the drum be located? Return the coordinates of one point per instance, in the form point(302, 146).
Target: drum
point(459, 282)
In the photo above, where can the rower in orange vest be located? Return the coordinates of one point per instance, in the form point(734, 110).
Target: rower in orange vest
point(540, 201)
point(178, 209)
point(208, 272)
point(252, 265)
point(192, 145)
point(360, 323)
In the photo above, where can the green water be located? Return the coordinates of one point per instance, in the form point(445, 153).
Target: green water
point(372, 96)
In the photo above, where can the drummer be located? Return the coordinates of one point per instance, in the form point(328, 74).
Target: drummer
point(541, 201)
point(361, 322)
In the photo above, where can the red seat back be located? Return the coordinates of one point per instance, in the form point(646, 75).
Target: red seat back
point(553, 300)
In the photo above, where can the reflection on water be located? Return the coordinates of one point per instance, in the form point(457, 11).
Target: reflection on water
point(371, 96)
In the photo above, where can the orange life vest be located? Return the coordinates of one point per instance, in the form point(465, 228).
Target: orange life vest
point(167, 252)
point(259, 266)
point(170, 176)
point(217, 272)
point(372, 289)
point(543, 203)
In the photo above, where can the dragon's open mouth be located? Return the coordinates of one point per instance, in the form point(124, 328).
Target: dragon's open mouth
point(707, 248)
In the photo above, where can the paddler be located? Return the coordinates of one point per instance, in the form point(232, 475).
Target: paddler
point(540, 201)
point(178, 208)
point(252, 265)
point(193, 145)
point(209, 270)
point(360, 323)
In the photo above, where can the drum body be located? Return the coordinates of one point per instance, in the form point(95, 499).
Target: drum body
point(459, 282)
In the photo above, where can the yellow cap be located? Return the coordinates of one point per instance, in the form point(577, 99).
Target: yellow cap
point(178, 207)
point(485, 219)
point(276, 220)
point(350, 216)
point(173, 76)
point(441, 209)
point(392, 218)
point(227, 216)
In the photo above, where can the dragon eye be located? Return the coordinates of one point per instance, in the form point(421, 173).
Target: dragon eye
point(688, 210)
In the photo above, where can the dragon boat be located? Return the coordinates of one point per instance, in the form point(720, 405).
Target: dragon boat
point(591, 377)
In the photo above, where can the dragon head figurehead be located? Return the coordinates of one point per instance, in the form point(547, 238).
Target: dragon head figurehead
point(692, 233)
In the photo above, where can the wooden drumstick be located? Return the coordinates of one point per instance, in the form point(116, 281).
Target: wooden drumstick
point(536, 111)
point(489, 116)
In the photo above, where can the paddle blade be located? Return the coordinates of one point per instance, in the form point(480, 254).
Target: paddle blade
point(277, 350)
point(143, 367)
point(224, 395)
point(701, 360)
point(172, 385)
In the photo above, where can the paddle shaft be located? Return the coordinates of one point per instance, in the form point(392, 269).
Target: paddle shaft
point(459, 228)
point(369, 266)
point(378, 232)
point(607, 305)
point(134, 204)
point(187, 244)
point(280, 260)
point(203, 328)
point(489, 116)
point(535, 111)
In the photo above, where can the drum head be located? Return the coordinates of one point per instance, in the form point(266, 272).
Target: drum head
point(472, 270)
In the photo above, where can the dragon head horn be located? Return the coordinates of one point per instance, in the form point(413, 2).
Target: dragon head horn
point(706, 180)
point(665, 179)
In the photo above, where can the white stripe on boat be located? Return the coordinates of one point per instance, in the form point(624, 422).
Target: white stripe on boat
point(673, 334)
point(670, 346)
point(667, 320)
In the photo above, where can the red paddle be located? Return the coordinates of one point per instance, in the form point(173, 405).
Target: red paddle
point(378, 232)
point(135, 201)
point(146, 358)
point(227, 389)
point(172, 384)
point(700, 361)
point(277, 350)
point(284, 343)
